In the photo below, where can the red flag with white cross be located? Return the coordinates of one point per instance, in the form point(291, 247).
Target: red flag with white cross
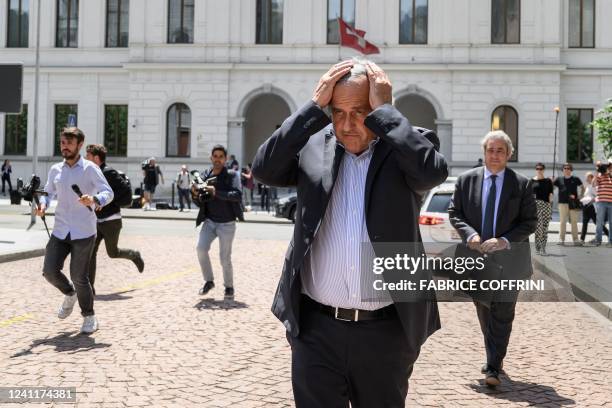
point(353, 38)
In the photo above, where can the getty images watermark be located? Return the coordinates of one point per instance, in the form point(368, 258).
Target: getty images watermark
point(458, 265)
point(408, 272)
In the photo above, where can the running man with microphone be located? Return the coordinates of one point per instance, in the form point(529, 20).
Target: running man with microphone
point(78, 185)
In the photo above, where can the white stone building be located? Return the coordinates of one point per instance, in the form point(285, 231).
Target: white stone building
point(237, 68)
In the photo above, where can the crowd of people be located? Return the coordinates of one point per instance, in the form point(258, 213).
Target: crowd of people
point(359, 173)
point(592, 198)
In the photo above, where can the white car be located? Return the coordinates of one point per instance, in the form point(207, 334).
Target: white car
point(433, 220)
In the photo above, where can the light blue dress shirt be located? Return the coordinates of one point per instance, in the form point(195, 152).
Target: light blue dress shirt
point(72, 217)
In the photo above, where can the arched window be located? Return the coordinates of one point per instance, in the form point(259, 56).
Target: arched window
point(178, 131)
point(505, 118)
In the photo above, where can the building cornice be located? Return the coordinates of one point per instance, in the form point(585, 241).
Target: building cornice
point(318, 67)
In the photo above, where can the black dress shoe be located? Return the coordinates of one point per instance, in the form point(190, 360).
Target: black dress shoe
point(492, 377)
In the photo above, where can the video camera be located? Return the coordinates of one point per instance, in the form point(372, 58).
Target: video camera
point(199, 193)
point(144, 165)
point(31, 191)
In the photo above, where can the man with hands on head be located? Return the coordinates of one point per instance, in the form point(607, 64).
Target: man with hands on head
point(74, 231)
point(359, 182)
point(493, 209)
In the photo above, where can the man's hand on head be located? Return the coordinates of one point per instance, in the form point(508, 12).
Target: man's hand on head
point(380, 86)
point(322, 94)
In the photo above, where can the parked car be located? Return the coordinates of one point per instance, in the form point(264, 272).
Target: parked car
point(285, 206)
point(433, 220)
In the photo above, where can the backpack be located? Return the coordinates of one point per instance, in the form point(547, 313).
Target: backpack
point(123, 194)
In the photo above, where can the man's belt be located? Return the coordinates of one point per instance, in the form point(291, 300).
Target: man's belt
point(350, 315)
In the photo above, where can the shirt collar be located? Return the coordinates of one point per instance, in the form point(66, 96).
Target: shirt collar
point(487, 173)
point(78, 163)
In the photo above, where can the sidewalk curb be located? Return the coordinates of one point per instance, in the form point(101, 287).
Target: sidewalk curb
point(600, 307)
point(21, 255)
point(170, 218)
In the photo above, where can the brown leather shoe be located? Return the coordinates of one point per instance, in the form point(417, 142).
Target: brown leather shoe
point(492, 377)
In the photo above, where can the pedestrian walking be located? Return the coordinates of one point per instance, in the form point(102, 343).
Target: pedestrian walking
point(569, 202)
point(603, 200)
point(248, 185)
point(498, 224)
point(264, 198)
point(588, 207)
point(183, 184)
point(7, 169)
point(347, 349)
point(543, 192)
point(220, 206)
point(152, 176)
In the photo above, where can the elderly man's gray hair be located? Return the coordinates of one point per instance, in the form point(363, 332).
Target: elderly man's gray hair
point(358, 69)
point(498, 135)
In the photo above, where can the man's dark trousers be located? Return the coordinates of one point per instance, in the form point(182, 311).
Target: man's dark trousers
point(495, 320)
point(109, 232)
point(334, 361)
point(184, 195)
point(80, 253)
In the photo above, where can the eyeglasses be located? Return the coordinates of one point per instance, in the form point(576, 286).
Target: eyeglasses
point(539, 168)
point(567, 168)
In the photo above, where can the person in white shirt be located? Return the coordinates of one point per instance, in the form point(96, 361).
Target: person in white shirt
point(183, 184)
point(74, 231)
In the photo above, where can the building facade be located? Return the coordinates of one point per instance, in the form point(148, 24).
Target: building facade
point(172, 78)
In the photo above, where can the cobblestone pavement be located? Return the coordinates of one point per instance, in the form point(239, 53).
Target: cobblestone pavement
point(160, 344)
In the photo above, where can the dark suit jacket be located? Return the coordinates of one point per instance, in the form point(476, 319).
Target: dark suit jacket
point(224, 191)
point(405, 164)
point(516, 217)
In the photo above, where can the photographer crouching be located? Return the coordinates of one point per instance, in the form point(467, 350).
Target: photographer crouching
point(78, 185)
point(217, 193)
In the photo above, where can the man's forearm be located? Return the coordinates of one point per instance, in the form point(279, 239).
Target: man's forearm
point(423, 166)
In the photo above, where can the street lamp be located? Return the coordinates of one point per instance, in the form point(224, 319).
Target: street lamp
point(36, 83)
point(556, 109)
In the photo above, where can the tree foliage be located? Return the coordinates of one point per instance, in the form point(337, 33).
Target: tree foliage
point(603, 125)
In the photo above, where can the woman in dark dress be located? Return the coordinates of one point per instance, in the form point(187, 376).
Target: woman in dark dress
point(543, 191)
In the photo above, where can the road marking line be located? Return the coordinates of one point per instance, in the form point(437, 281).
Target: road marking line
point(16, 319)
point(155, 281)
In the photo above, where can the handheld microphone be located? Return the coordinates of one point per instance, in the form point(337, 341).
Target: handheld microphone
point(78, 192)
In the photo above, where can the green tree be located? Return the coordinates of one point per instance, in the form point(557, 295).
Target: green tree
point(603, 125)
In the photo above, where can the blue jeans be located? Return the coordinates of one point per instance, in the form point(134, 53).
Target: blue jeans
point(604, 212)
point(225, 231)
